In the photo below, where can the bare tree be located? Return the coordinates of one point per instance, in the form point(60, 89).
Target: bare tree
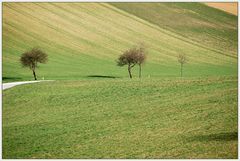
point(182, 59)
point(141, 57)
point(32, 58)
point(130, 58)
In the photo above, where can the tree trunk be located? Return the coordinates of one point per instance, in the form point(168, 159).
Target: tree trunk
point(140, 71)
point(181, 69)
point(129, 71)
point(34, 74)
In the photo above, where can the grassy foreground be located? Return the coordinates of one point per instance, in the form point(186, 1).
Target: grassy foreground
point(119, 118)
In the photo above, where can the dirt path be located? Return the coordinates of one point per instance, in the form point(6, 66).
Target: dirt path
point(12, 84)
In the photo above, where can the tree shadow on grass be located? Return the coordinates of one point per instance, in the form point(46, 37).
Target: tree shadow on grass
point(11, 78)
point(101, 76)
point(225, 136)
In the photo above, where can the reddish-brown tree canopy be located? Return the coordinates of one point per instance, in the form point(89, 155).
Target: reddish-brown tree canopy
point(128, 57)
point(132, 57)
point(32, 58)
point(182, 59)
point(141, 56)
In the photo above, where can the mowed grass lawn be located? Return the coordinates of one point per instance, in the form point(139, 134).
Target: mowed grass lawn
point(122, 118)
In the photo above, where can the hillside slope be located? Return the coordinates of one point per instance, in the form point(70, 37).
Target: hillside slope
point(208, 26)
point(83, 115)
point(84, 39)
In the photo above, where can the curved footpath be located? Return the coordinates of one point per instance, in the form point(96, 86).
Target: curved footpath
point(12, 84)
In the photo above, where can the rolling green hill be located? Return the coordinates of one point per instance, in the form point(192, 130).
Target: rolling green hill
point(85, 39)
point(210, 28)
point(85, 113)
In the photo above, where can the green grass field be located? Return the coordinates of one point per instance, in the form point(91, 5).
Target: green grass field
point(121, 118)
point(92, 109)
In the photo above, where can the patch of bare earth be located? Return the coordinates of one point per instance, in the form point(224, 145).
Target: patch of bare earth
point(230, 7)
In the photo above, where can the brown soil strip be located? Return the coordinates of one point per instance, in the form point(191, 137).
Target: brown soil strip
point(230, 7)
